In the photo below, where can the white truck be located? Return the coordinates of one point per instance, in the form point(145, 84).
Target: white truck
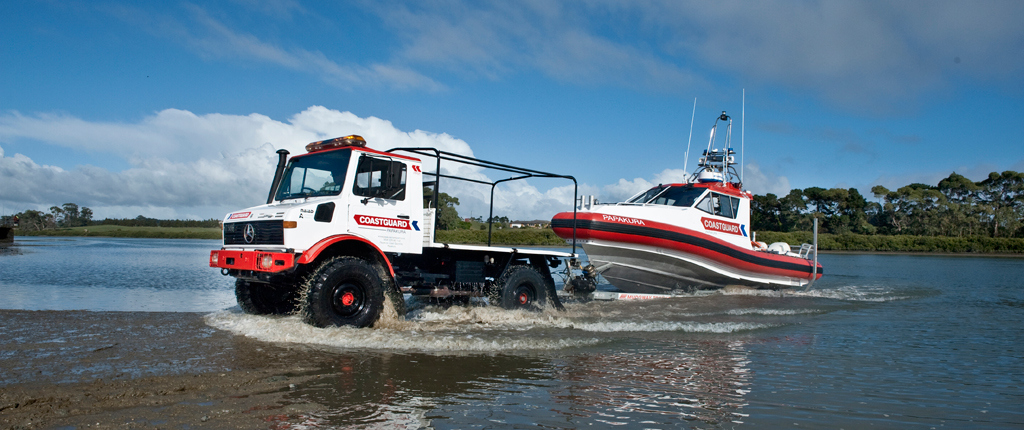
point(346, 231)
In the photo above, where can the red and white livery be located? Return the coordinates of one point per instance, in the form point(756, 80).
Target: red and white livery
point(686, 236)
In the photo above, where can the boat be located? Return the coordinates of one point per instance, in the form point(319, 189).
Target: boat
point(688, 236)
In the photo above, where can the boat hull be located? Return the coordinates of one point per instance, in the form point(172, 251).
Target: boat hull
point(651, 257)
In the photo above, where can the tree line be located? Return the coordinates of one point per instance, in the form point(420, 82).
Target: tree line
point(956, 207)
point(71, 215)
point(448, 217)
point(66, 215)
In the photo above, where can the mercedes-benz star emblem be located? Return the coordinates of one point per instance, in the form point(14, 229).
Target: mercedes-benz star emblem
point(249, 234)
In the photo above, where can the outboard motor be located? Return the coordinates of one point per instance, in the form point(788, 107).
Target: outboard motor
point(581, 286)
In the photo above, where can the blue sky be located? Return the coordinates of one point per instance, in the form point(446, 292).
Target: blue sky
point(175, 109)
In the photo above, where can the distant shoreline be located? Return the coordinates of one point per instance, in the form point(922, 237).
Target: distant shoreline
point(828, 243)
point(128, 232)
point(928, 253)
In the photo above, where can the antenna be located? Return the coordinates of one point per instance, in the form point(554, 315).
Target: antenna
point(686, 158)
point(743, 123)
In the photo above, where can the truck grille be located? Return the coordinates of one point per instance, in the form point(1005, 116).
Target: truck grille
point(262, 233)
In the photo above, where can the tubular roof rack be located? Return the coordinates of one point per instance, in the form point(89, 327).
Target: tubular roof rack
point(519, 173)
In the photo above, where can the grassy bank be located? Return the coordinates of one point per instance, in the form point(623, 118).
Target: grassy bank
point(507, 236)
point(534, 237)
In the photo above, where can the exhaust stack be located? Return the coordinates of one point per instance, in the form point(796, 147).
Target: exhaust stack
point(282, 158)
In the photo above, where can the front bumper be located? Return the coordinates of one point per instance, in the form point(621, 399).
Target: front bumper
point(257, 261)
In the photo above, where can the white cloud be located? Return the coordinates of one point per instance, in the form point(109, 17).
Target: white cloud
point(185, 165)
point(624, 189)
point(867, 56)
point(188, 165)
point(561, 40)
point(213, 38)
point(758, 182)
point(853, 54)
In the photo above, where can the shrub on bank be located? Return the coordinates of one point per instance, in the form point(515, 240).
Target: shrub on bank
point(128, 232)
point(506, 236)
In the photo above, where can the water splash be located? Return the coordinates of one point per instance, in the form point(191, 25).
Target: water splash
point(480, 328)
point(398, 336)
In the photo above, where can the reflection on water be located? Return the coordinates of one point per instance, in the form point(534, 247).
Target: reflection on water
point(597, 363)
point(704, 382)
point(8, 248)
point(656, 387)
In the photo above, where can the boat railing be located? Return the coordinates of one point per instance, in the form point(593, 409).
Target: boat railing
point(806, 250)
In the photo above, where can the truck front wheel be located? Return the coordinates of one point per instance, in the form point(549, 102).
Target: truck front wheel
point(261, 298)
point(344, 291)
point(522, 287)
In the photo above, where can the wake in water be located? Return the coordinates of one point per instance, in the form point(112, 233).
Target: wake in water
point(482, 328)
point(855, 294)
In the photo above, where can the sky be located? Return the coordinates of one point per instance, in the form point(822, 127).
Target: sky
point(174, 110)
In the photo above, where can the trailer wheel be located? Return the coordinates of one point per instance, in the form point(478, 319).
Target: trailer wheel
point(261, 298)
point(344, 291)
point(522, 287)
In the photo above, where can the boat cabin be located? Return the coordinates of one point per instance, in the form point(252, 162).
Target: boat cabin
point(722, 200)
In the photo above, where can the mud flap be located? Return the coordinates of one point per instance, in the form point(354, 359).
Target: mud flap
point(553, 296)
point(540, 265)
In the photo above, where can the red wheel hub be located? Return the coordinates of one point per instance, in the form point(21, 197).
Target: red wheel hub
point(523, 298)
point(348, 298)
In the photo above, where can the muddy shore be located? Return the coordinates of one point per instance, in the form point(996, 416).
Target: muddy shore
point(76, 369)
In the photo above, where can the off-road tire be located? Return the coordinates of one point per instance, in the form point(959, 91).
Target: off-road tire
point(521, 287)
point(344, 291)
point(261, 298)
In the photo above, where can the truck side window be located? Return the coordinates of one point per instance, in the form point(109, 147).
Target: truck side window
point(380, 177)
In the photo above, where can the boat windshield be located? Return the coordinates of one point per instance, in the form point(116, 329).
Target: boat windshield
point(646, 197)
point(320, 174)
point(680, 195)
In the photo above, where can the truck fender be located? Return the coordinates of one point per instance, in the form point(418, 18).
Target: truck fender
point(314, 251)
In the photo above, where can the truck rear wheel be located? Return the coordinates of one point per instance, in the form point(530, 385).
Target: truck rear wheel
point(261, 298)
point(521, 287)
point(344, 291)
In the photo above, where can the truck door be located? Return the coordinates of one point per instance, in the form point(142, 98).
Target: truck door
point(380, 209)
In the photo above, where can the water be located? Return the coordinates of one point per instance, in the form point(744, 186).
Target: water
point(113, 274)
point(884, 341)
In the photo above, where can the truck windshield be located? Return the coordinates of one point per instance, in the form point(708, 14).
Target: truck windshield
point(321, 174)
